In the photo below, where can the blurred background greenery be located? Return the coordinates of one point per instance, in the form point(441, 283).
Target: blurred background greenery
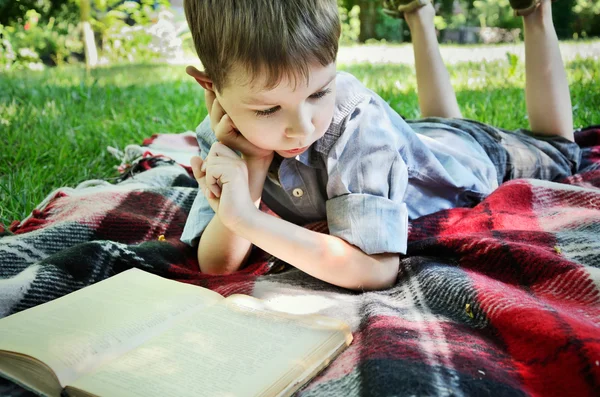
point(34, 33)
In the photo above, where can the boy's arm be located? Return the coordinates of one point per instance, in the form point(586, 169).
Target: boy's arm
point(325, 257)
point(221, 251)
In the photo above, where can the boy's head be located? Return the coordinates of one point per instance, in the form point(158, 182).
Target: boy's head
point(271, 64)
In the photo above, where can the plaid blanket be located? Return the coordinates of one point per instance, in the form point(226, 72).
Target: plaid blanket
point(500, 299)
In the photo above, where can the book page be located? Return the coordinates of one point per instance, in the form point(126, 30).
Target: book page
point(76, 333)
point(225, 351)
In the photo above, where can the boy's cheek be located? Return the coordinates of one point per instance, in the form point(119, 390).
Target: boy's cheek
point(252, 135)
point(325, 120)
point(262, 142)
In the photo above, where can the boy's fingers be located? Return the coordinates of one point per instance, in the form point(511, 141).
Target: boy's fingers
point(212, 187)
point(215, 189)
point(216, 113)
point(224, 127)
point(218, 160)
point(196, 163)
point(231, 138)
point(225, 132)
point(212, 181)
point(209, 98)
point(219, 149)
point(202, 184)
point(203, 189)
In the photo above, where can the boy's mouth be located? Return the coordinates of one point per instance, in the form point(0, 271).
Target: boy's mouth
point(296, 151)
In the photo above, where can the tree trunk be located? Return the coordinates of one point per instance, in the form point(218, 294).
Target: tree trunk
point(368, 19)
point(89, 44)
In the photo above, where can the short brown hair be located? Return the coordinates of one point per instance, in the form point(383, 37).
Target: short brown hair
point(271, 38)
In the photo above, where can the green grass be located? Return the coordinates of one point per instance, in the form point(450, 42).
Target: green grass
point(55, 125)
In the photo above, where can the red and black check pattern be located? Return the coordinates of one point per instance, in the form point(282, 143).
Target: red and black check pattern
point(502, 299)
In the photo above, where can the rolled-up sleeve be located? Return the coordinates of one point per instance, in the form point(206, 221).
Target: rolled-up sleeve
point(201, 213)
point(367, 182)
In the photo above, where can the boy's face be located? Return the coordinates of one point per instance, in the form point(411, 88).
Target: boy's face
point(284, 120)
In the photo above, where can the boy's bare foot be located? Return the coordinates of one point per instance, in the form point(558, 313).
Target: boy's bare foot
point(527, 7)
point(423, 15)
point(398, 8)
point(541, 14)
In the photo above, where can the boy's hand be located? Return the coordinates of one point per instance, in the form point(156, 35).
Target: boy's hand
point(223, 179)
point(227, 133)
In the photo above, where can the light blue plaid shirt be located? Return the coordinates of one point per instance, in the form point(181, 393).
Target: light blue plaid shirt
point(369, 174)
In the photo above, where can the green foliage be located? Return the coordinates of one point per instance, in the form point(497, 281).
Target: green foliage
point(350, 25)
point(495, 13)
point(587, 22)
point(111, 15)
point(128, 43)
point(140, 12)
point(513, 63)
point(13, 11)
point(34, 43)
point(7, 53)
point(563, 16)
point(388, 28)
point(121, 28)
point(572, 18)
point(453, 21)
point(445, 7)
point(480, 13)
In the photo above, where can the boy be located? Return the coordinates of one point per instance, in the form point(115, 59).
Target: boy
point(315, 144)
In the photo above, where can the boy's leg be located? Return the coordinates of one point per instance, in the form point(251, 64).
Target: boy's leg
point(546, 87)
point(436, 95)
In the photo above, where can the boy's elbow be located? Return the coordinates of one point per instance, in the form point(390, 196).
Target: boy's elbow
point(215, 270)
point(219, 267)
point(381, 275)
point(386, 273)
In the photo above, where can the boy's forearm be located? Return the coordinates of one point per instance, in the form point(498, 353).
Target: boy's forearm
point(257, 173)
point(220, 250)
point(325, 257)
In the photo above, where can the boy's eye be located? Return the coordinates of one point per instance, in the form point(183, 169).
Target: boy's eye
point(320, 94)
point(268, 112)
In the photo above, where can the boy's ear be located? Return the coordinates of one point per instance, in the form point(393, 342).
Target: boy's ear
point(201, 77)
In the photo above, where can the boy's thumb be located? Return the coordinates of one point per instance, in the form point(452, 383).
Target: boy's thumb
point(196, 164)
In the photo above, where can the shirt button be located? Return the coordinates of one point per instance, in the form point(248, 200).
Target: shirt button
point(297, 192)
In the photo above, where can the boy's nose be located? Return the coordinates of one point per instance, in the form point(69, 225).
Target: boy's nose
point(300, 128)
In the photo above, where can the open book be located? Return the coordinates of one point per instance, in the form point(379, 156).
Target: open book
point(138, 334)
